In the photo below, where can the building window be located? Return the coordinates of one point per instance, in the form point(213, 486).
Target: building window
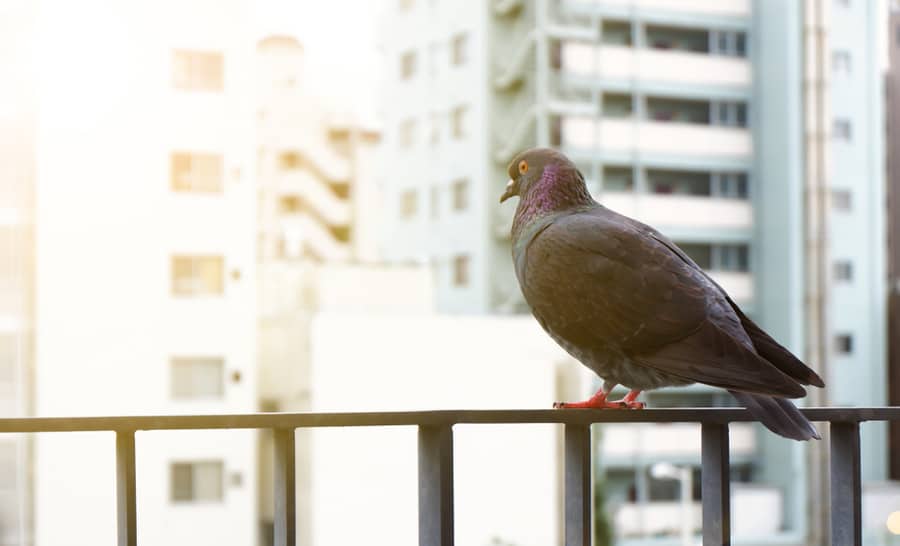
point(197, 275)
point(618, 179)
point(459, 122)
point(679, 110)
point(677, 38)
point(461, 270)
point(407, 133)
point(842, 129)
point(289, 161)
point(198, 378)
point(724, 257)
point(198, 173)
point(614, 32)
point(409, 201)
point(198, 70)
point(668, 182)
point(617, 105)
point(459, 47)
point(460, 195)
point(731, 258)
point(700, 253)
point(729, 114)
point(199, 481)
point(727, 42)
point(290, 204)
point(729, 185)
point(843, 270)
point(407, 65)
point(841, 200)
point(843, 344)
point(840, 61)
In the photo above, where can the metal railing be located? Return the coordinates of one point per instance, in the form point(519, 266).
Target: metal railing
point(435, 456)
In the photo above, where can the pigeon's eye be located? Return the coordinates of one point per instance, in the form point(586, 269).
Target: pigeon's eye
point(523, 167)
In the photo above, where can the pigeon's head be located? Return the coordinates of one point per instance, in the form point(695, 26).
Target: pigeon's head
point(543, 171)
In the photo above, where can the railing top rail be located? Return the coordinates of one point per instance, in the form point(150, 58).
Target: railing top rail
point(423, 418)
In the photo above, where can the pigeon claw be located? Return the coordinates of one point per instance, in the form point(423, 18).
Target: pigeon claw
point(595, 404)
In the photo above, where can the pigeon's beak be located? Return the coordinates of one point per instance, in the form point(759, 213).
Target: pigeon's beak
point(511, 189)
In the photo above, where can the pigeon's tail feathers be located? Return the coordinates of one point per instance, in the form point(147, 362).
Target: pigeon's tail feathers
point(778, 415)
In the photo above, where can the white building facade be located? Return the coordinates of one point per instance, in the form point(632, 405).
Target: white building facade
point(145, 283)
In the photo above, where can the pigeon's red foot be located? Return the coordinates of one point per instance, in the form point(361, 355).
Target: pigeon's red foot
point(632, 404)
point(599, 401)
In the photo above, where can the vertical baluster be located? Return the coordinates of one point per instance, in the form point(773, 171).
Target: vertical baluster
point(285, 488)
point(715, 485)
point(846, 517)
point(578, 498)
point(126, 509)
point(435, 486)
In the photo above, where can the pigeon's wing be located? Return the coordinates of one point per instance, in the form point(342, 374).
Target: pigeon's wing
point(764, 344)
point(595, 281)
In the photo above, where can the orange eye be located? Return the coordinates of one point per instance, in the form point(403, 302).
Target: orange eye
point(523, 167)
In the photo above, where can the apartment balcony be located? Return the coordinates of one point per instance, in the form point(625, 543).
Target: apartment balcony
point(701, 212)
point(317, 194)
point(306, 234)
point(658, 66)
point(435, 455)
point(719, 8)
point(657, 137)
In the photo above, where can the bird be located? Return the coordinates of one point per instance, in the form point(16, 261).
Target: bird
point(633, 307)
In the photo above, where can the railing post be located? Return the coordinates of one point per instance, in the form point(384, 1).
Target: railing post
point(435, 485)
point(578, 485)
point(126, 509)
point(285, 488)
point(846, 517)
point(715, 486)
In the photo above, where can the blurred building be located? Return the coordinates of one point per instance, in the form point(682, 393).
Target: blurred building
point(317, 214)
point(145, 285)
point(17, 171)
point(733, 126)
point(313, 167)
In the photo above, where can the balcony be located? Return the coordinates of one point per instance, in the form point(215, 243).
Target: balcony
point(719, 8)
point(613, 62)
point(657, 137)
point(436, 460)
point(682, 210)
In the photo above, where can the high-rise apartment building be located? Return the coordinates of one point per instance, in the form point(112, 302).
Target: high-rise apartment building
point(145, 248)
point(17, 170)
point(691, 115)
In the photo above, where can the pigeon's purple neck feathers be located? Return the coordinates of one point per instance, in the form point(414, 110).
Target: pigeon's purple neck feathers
point(559, 189)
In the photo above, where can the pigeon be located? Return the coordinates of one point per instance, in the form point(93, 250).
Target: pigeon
point(634, 308)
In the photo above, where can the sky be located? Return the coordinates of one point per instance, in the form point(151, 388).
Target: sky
point(340, 42)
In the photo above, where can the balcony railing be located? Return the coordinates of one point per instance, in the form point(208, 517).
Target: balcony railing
point(435, 455)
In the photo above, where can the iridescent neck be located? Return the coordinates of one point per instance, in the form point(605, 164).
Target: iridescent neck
point(559, 189)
